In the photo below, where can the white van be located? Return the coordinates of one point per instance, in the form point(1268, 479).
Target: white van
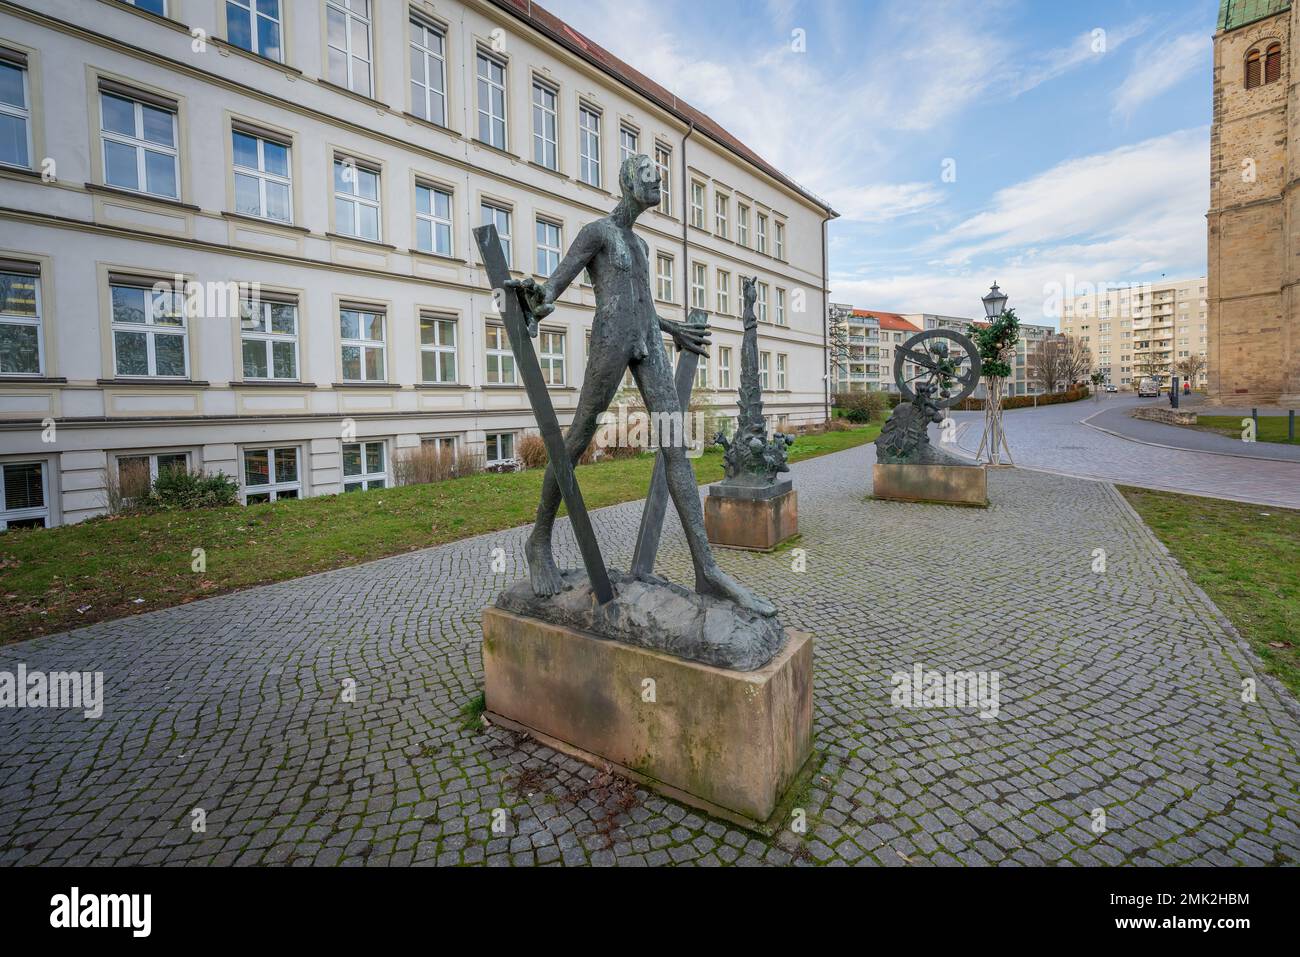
point(1149, 388)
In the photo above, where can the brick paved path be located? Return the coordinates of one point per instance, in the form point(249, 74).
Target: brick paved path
point(1052, 438)
point(1118, 691)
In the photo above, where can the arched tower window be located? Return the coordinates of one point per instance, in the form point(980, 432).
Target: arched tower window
point(1254, 71)
point(1263, 67)
point(1273, 63)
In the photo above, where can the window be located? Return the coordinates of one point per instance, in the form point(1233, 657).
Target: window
point(269, 339)
point(15, 111)
point(780, 306)
point(500, 359)
point(627, 143)
point(664, 164)
point(760, 302)
point(262, 183)
point(356, 200)
point(491, 101)
point(363, 466)
point(546, 149)
point(433, 220)
point(24, 496)
point(702, 373)
point(153, 6)
point(1263, 68)
point(720, 214)
point(254, 25)
point(764, 369)
point(437, 349)
point(742, 224)
point(548, 247)
point(724, 292)
point(442, 445)
point(139, 144)
point(137, 473)
point(500, 218)
point(697, 204)
point(780, 240)
point(724, 367)
point(271, 474)
point(762, 233)
point(782, 360)
point(664, 277)
point(363, 349)
point(21, 337)
point(148, 329)
point(348, 28)
point(428, 73)
point(699, 280)
point(550, 355)
point(500, 448)
point(589, 146)
point(1273, 63)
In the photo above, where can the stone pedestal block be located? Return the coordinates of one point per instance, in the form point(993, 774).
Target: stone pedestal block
point(756, 519)
point(729, 742)
point(945, 484)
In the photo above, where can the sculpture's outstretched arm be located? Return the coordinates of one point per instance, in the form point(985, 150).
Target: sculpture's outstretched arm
point(578, 258)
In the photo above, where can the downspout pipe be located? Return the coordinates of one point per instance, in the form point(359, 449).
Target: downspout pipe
point(826, 311)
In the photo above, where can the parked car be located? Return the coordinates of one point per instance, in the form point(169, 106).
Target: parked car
point(1111, 387)
point(1149, 389)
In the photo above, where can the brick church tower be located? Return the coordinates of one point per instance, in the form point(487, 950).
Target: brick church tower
point(1254, 216)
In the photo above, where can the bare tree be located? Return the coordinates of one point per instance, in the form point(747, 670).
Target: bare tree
point(1048, 364)
point(837, 343)
point(1191, 367)
point(1078, 360)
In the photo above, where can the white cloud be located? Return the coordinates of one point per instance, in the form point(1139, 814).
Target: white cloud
point(1159, 68)
point(883, 202)
point(1087, 48)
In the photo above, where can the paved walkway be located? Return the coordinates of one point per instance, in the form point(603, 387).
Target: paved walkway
point(1120, 692)
point(1119, 422)
point(1056, 438)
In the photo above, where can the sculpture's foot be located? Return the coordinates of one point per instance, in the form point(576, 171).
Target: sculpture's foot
point(542, 573)
point(719, 584)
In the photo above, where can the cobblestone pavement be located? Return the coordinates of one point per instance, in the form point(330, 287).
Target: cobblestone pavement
point(1053, 438)
point(1120, 691)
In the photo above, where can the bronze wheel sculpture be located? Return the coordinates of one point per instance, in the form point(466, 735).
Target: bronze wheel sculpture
point(954, 372)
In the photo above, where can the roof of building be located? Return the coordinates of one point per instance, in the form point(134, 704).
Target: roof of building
point(1238, 13)
point(888, 320)
point(587, 49)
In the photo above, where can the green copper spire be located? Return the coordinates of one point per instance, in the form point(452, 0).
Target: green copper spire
point(1239, 13)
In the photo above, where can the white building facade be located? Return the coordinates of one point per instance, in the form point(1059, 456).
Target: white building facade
point(236, 237)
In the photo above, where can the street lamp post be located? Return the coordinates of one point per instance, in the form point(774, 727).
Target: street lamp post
point(994, 440)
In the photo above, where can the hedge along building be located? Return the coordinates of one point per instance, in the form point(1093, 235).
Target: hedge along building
point(330, 159)
point(1254, 249)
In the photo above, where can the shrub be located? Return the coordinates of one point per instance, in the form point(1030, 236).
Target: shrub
point(531, 451)
point(860, 407)
point(430, 464)
point(837, 425)
point(183, 488)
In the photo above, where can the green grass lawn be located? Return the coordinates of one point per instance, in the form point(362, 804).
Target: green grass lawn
point(1272, 428)
point(60, 578)
point(1246, 558)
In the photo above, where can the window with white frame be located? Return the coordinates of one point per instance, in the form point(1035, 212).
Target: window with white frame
point(780, 240)
point(724, 367)
point(364, 466)
point(627, 143)
point(546, 123)
point(760, 304)
point(254, 25)
point(136, 473)
point(500, 359)
point(149, 330)
point(442, 445)
point(15, 111)
point(664, 164)
point(428, 72)
point(153, 6)
point(702, 373)
point(550, 355)
point(548, 247)
point(664, 277)
point(362, 344)
point(262, 179)
point(437, 349)
point(762, 233)
point(138, 139)
point(271, 474)
point(588, 145)
point(25, 500)
point(356, 199)
point(268, 333)
point(500, 448)
point(764, 369)
point(780, 306)
point(721, 214)
point(491, 75)
point(742, 224)
point(699, 286)
point(433, 220)
point(782, 361)
point(499, 217)
point(22, 347)
point(697, 204)
point(348, 32)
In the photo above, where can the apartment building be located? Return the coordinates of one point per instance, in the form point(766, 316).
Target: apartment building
point(1021, 381)
point(1141, 330)
point(857, 368)
point(236, 237)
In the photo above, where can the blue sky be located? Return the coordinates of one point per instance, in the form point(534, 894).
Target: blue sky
point(1078, 132)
